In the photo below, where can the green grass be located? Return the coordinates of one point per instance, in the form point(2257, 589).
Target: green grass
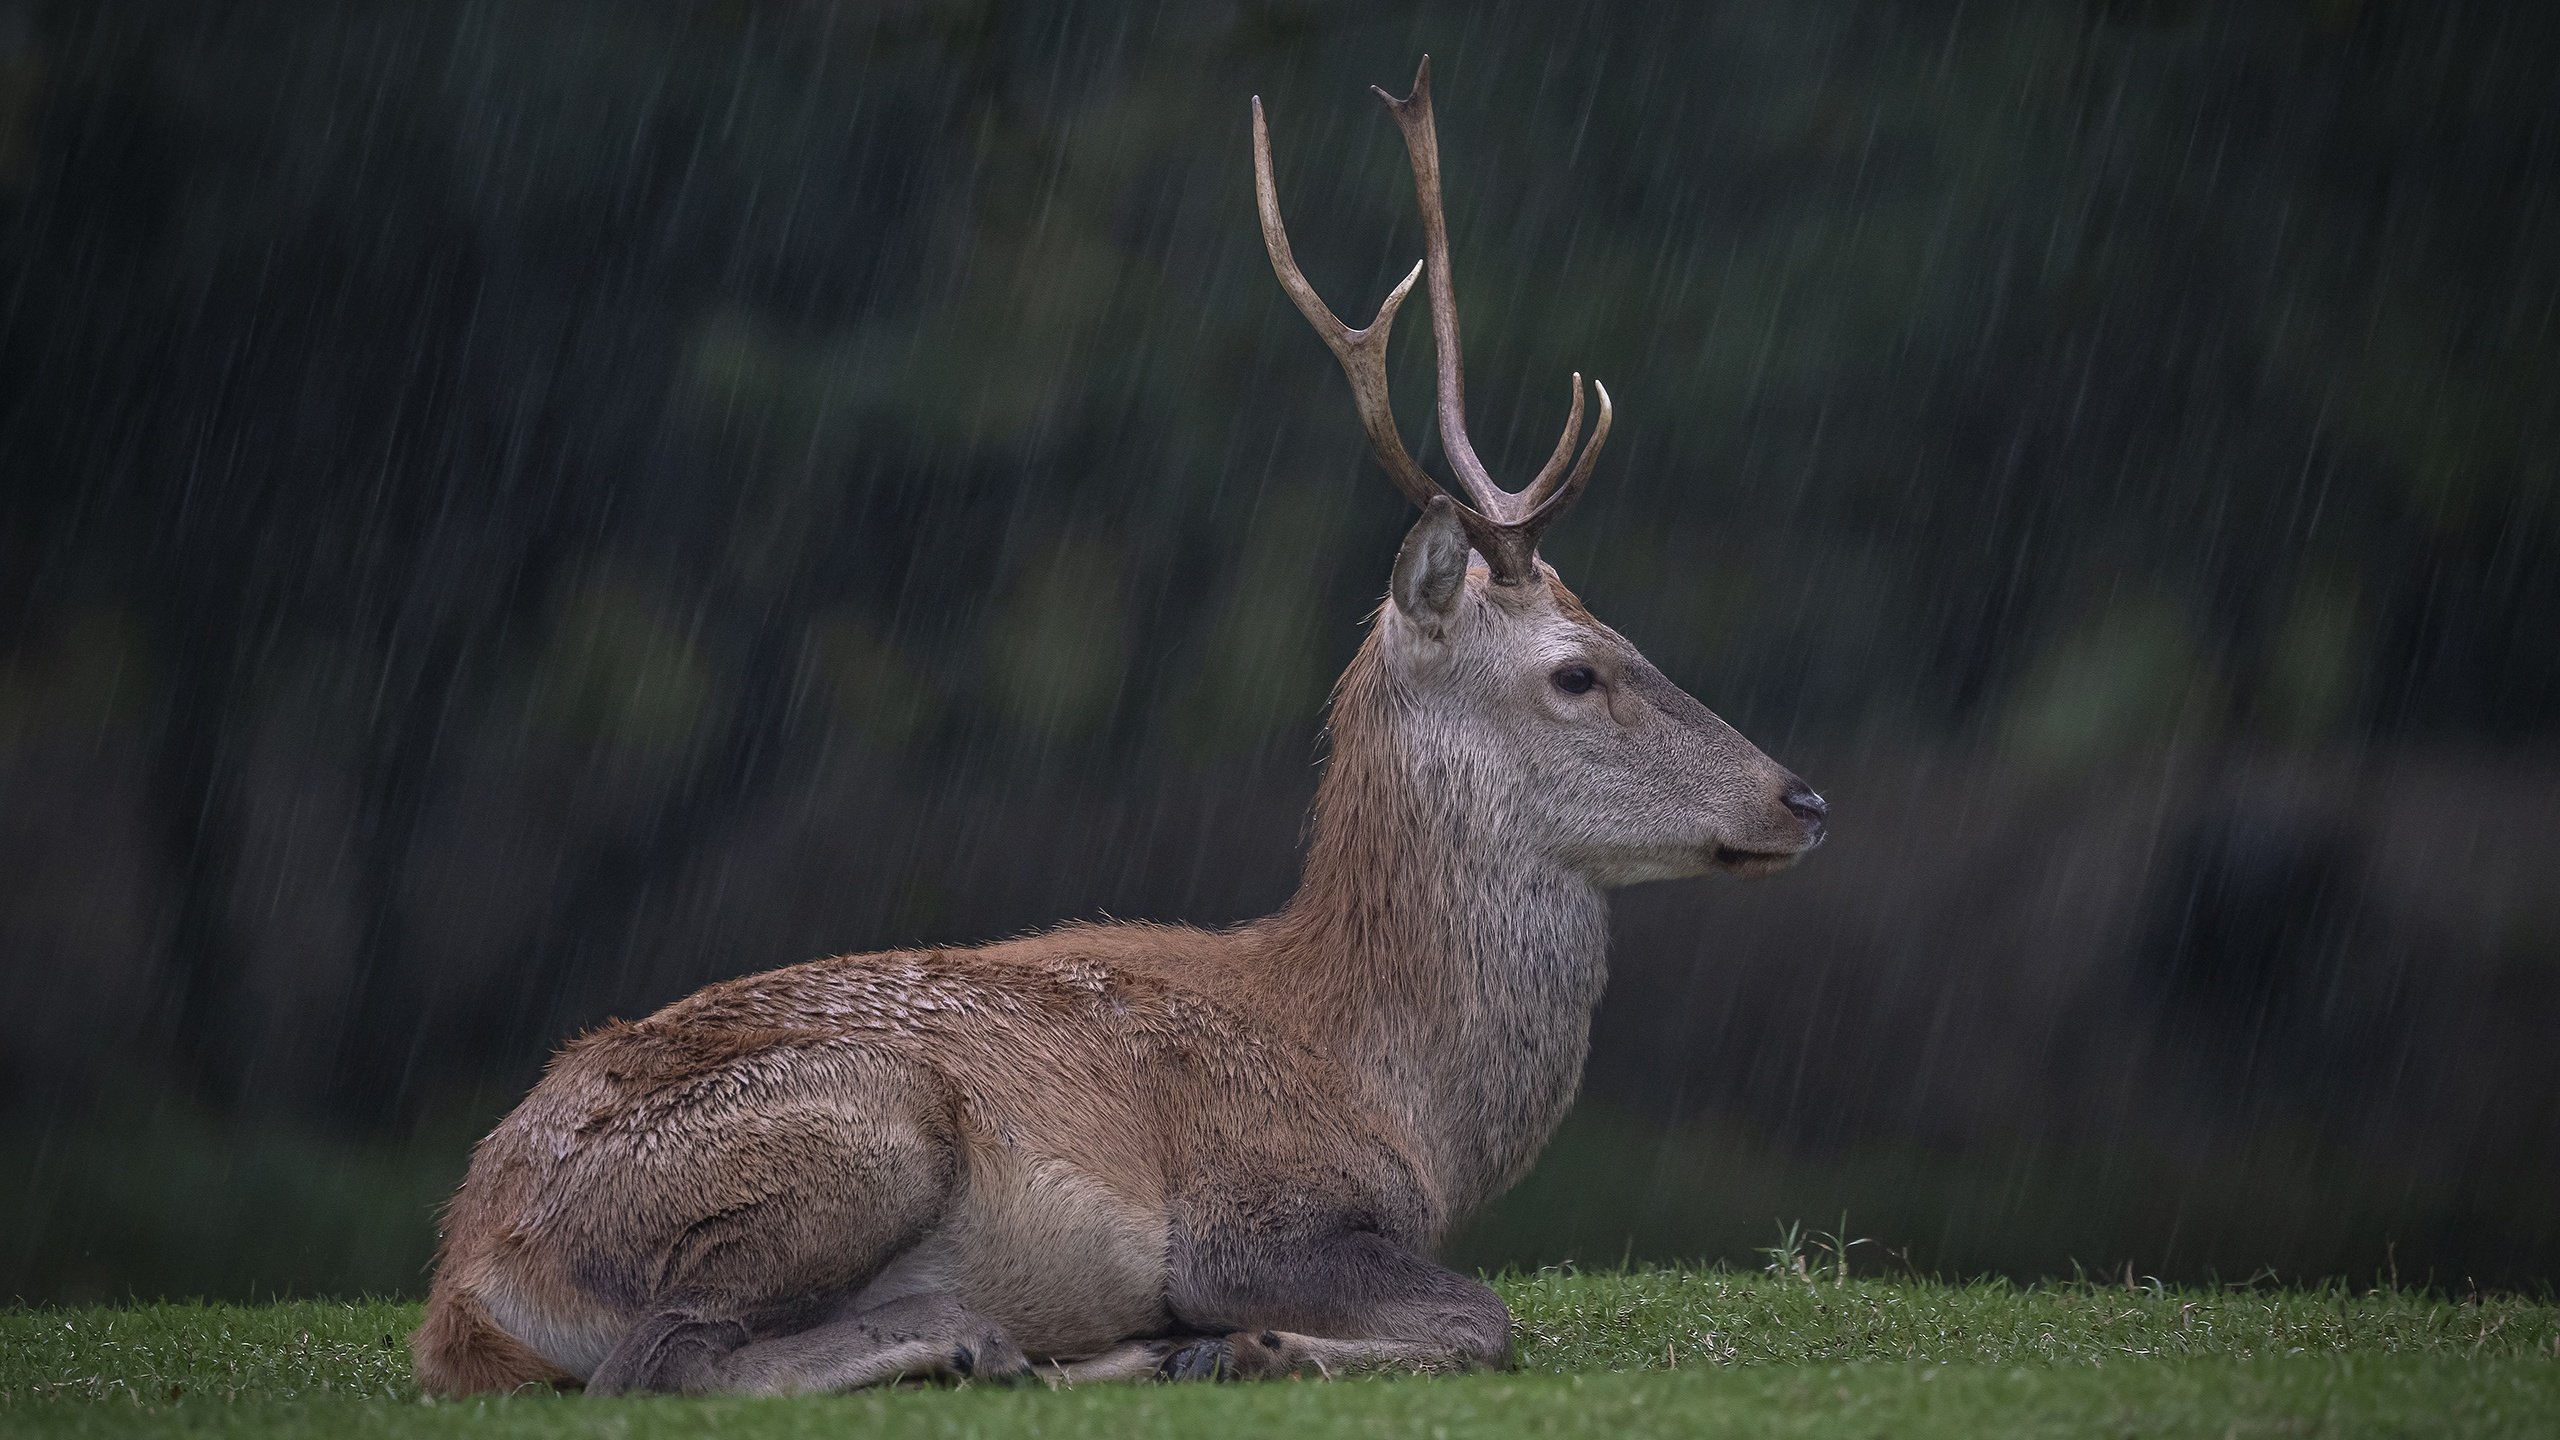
point(1654, 1351)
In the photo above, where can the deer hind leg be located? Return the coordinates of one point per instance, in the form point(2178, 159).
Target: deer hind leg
point(1355, 1303)
point(788, 1213)
point(913, 1338)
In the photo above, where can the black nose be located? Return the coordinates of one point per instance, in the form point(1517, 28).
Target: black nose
point(1804, 804)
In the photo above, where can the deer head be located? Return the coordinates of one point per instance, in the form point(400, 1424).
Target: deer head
point(1619, 772)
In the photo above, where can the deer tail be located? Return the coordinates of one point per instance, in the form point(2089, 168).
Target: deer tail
point(459, 1350)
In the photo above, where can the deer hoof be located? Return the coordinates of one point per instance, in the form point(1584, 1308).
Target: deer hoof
point(1207, 1359)
point(992, 1360)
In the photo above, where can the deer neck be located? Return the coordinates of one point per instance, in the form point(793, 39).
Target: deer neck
point(1436, 947)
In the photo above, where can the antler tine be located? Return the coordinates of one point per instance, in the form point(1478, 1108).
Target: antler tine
point(1363, 352)
point(1536, 491)
point(1545, 512)
point(1422, 143)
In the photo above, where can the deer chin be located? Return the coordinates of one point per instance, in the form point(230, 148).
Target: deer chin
point(1618, 869)
point(1752, 864)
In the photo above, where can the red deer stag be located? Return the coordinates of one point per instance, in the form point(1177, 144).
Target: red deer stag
point(1119, 1151)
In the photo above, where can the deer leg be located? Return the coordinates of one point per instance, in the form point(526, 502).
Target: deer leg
point(1260, 1355)
point(915, 1337)
point(769, 1295)
point(1268, 1354)
point(1357, 1302)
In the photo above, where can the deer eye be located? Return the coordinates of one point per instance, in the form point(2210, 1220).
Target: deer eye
point(1575, 679)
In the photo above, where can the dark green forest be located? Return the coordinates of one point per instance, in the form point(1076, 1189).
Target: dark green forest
point(509, 511)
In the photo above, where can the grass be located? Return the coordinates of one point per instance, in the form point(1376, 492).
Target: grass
point(1652, 1351)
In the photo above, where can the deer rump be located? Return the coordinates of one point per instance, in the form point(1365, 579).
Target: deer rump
point(1130, 1151)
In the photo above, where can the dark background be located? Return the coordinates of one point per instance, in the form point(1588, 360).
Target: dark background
point(511, 510)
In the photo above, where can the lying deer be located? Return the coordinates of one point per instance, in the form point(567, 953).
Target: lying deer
point(1118, 1151)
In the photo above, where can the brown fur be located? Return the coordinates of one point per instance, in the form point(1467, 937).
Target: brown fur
point(459, 1351)
point(1126, 1150)
point(1028, 1129)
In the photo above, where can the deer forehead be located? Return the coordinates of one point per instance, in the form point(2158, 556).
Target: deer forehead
point(1538, 623)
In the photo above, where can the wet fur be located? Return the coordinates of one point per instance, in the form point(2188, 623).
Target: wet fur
point(1123, 1150)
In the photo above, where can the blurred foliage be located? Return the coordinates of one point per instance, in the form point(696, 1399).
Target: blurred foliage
point(797, 306)
point(613, 673)
point(2131, 674)
point(160, 1201)
point(1612, 1187)
point(484, 488)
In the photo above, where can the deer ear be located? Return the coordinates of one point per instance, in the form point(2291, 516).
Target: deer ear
point(1431, 569)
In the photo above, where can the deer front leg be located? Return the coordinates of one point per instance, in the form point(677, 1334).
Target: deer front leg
point(1352, 1303)
point(1271, 1354)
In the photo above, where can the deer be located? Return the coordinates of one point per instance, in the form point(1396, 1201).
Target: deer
point(1134, 1151)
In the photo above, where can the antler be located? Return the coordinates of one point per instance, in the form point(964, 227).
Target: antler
point(1502, 525)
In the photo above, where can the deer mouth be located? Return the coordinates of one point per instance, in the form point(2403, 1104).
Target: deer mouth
point(1752, 864)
